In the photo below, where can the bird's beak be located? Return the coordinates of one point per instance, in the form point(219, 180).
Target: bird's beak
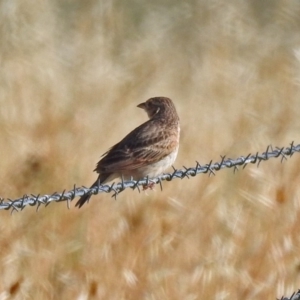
point(142, 105)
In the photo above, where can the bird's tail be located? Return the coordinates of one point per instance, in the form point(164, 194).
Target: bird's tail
point(86, 197)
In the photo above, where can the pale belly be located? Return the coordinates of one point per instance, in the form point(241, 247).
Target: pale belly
point(159, 167)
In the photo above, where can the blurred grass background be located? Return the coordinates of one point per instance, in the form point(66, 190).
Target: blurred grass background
point(72, 73)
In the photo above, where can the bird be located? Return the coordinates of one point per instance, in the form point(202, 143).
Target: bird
point(146, 151)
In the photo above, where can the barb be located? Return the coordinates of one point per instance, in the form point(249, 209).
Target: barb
point(116, 188)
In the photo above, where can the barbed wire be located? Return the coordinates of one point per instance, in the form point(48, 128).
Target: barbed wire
point(116, 188)
point(294, 296)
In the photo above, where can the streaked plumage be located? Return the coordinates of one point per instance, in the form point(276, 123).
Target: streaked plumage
point(147, 150)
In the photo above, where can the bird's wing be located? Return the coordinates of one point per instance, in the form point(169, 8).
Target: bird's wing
point(141, 147)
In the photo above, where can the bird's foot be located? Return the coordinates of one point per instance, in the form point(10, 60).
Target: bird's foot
point(150, 186)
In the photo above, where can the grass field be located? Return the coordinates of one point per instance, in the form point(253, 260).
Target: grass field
point(72, 73)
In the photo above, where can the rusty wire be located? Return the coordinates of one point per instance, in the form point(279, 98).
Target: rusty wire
point(116, 188)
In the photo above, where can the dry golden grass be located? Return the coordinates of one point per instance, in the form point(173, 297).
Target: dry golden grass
point(71, 75)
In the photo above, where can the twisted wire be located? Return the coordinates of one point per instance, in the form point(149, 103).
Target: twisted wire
point(116, 188)
point(294, 296)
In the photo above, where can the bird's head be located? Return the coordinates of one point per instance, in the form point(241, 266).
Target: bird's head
point(157, 106)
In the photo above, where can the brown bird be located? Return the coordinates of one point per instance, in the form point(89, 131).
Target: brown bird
point(146, 151)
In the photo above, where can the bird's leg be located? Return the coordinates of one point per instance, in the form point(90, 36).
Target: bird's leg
point(148, 185)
